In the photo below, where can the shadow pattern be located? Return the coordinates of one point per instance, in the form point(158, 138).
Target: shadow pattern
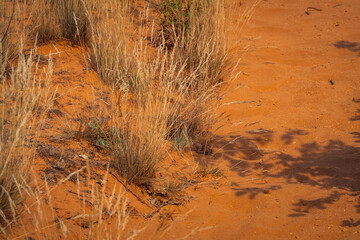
point(356, 135)
point(303, 206)
point(290, 135)
point(254, 191)
point(350, 223)
point(334, 165)
point(351, 46)
point(356, 117)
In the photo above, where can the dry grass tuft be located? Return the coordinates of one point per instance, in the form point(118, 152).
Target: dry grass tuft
point(66, 19)
point(160, 97)
point(98, 213)
point(12, 31)
point(73, 20)
point(109, 48)
point(196, 30)
point(45, 19)
point(24, 96)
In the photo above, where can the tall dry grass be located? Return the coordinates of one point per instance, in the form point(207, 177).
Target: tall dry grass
point(196, 31)
point(25, 96)
point(160, 97)
point(160, 109)
point(170, 95)
point(73, 20)
point(98, 213)
point(12, 31)
point(55, 19)
point(22, 97)
point(110, 54)
point(45, 20)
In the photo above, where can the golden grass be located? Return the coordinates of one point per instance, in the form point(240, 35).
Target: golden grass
point(12, 31)
point(55, 19)
point(24, 98)
point(109, 48)
point(97, 212)
point(196, 30)
point(160, 97)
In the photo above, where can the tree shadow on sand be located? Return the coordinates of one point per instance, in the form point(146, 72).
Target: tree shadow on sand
point(350, 223)
point(356, 135)
point(351, 46)
point(356, 117)
point(302, 206)
point(333, 166)
point(242, 152)
point(291, 134)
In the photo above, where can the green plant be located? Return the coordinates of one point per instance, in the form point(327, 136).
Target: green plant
point(217, 172)
point(173, 189)
point(99, 134)
point(175, 19)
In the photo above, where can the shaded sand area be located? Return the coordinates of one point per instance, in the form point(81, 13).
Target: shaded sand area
point(291, 155)
point(289, 149)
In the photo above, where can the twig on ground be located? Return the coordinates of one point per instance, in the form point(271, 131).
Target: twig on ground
point(129, 190)
point(238, 102)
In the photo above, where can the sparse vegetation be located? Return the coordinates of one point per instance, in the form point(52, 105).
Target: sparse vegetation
point(173, 189)
point(195, 29)
point(13, 32)
point(110, 54)
point(163, 97)
point(24, 98)
point(66, 19)
point(216, 172)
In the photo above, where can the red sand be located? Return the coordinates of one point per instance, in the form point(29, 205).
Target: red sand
point(290, 157)
point(304, 181)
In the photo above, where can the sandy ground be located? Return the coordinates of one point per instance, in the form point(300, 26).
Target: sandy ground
point(290, 146)
point(290, 157)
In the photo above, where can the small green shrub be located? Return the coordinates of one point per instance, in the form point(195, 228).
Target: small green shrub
point(175, 19)
point(102, 137)
point(216, 172)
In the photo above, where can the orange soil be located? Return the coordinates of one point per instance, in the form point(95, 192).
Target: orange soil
point(290, 157)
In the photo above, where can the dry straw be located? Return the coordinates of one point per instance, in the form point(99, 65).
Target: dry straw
point(161, 96)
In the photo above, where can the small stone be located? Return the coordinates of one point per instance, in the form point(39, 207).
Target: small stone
point(266, 191)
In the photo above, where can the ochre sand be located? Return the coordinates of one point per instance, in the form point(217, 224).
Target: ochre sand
point(290, 156)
